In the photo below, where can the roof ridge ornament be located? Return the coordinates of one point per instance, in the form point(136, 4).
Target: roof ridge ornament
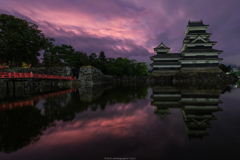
point(199, 38)
point(162, 45)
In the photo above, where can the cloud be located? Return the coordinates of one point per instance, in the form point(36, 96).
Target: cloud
point(130, 28)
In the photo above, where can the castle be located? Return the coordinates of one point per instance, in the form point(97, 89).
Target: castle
point(196, 52)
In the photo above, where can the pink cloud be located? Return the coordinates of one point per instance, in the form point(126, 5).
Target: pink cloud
point(133, 28)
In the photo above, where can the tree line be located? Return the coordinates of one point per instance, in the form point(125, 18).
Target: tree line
point(22, 41)
point(109, 66)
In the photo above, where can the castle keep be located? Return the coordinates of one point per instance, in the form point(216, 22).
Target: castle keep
point(196, 52)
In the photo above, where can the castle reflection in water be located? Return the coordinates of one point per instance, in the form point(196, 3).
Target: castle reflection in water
point(197, 106)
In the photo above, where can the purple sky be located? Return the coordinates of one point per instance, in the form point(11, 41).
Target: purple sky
point(131, 28)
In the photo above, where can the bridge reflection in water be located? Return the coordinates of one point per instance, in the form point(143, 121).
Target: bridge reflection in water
point(30, 102)
point(197, 106)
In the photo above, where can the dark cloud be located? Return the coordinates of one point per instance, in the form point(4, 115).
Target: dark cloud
point(108, 45)
point(92, 43)
point(130, 28)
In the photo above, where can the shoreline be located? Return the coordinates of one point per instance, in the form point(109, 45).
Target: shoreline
point(92, 76)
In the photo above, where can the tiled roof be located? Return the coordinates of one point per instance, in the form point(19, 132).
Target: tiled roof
point(201, 50)
point(199, 33)
point(200, 41)
point(168, 55)
point(161, 46)
point(201, 58)
point(165, 63)
point(196, 24)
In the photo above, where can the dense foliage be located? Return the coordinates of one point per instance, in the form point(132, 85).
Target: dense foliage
point(225, 68)
point(54, 56)
point(20, 41)
point(238, 73)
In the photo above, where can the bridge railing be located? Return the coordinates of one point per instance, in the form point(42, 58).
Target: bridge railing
point(31, 75)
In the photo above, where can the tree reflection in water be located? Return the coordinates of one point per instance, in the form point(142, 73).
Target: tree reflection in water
point(22, 126)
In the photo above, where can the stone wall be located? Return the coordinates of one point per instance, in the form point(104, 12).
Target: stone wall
point(20, 87)
point(160, 79)
point(202, 69)
point(128, 79)
point(90, 75)
point(204, 77)
point(26, 89)
point(61, 71)
point(193, 76)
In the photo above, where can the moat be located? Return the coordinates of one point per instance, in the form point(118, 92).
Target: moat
point(121, 121)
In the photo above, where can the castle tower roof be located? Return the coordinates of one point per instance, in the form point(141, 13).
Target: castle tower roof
point(195, 24)
point(161, 48)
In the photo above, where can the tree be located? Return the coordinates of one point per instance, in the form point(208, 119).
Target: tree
point(142, 69)
point(82, 59)
point(92, 57)
point(225, 68)
point(102, 56)
point(238, 73)
point(67, 54)
point(54, 55)
point(111, 60)
point(20, 40)
point(111, 69)
point(50, 55)
point(46, 59)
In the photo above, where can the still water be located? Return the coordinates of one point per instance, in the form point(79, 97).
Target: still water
point(122, 122)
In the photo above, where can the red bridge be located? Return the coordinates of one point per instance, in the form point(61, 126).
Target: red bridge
point(7, 75)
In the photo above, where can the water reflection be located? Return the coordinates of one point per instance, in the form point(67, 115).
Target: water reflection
point(96, 118)
point(29, 102)
point(197, 106)
point(23, 122)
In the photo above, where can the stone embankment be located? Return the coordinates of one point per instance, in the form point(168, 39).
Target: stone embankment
point(89, 75)
point(200, 77)
point(160, 78)
point(186, 76)
point(92, 76)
